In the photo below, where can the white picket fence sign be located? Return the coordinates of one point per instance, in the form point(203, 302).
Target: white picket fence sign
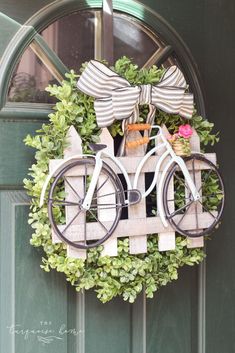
point(137, 226)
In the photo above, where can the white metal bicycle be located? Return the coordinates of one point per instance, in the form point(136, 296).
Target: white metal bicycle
point(97, 174)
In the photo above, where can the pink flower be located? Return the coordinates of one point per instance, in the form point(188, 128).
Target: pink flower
point(185, 131)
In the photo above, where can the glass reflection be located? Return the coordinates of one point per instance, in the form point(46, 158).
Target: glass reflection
point(133, 41)
point(29, 80)
point(74, 39)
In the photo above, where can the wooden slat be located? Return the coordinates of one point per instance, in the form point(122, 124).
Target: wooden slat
point(137, 226)
point(166, 240)
point(110, 246)
point(74, 147)
point(195, 208)
point(131, 163)
point(138, 243)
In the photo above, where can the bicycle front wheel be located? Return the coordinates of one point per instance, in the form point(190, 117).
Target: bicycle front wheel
point(188, 217)
point(74, 225)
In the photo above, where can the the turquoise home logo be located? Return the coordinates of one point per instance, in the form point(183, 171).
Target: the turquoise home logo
point(45, 332)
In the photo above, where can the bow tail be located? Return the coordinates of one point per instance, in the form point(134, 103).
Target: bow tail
point(131, 120)
point(173, 100)
point(150, 119)
point(186, 109)
point(151, 114)
point(173, 77)
point(104, 112)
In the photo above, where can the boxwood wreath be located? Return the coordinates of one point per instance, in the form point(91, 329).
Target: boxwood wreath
point(125, 274)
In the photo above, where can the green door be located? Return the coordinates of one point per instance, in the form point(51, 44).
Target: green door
point(39, 311)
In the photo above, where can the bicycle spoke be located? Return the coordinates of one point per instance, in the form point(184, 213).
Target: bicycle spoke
point(219, 201)
point(107, 204)
point(85, 189)
point(194, 180)
point(186, 198)
point(197, 224)
point(194, 176)
point(219, 192)
point(182, 183)
point(85, 233)
point(93, 215)
point(206, 209)
point(214, 194)
point(106, 207)
point(180, 209)
point(109, 194)
point(206, 178)
point(104, 182)
point(63, 203)
point(85, 181)
point(73, 219)
point(181, 219)
point(72, 188)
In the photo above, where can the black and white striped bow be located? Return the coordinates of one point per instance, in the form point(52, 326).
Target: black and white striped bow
point(116, 99)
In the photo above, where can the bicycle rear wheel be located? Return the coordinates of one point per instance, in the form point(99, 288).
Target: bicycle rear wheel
point(80, 228)
point(188, 217)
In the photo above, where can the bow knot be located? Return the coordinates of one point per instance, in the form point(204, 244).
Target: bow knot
point(145, 94)
point(116, 99)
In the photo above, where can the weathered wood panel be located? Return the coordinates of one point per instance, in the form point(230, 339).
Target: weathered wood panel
point(166, 240)
point(110, 246)
point(138, 243)
point(136, 213)
point(197, 208)
point(137, 226)
point(131, 163)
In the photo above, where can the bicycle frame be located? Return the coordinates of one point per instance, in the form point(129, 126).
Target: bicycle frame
point(173, 158)
point(157, 180)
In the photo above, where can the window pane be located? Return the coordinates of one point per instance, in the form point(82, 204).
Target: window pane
point(30, 80)
point(74, 38)
point(133, 40)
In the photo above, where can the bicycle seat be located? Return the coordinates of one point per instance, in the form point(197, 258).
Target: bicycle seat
point(97, 146)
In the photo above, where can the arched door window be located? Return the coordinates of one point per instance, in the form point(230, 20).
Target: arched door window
point(65, 41)
point(76, 38)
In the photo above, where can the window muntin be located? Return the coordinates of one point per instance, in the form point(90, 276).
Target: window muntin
point(73, 38)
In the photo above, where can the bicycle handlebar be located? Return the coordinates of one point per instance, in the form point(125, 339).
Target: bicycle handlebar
point(145, 139)
point(136, 143)
point(138, 127)
point(142, 127)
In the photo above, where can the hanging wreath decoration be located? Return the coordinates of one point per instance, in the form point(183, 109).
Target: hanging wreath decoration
point(125, 274)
